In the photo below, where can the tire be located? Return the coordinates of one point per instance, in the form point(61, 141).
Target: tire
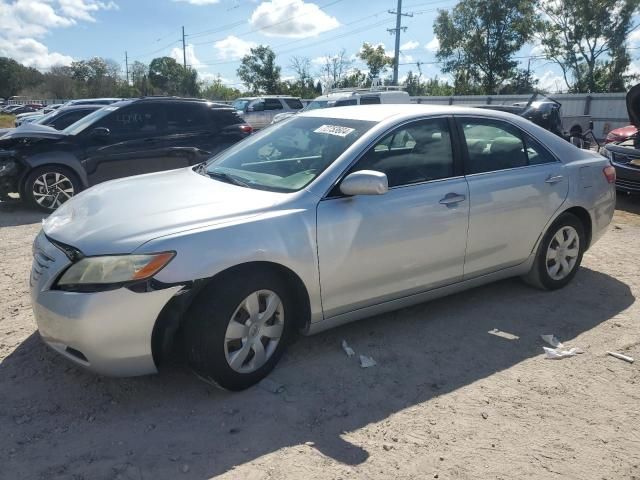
point(208, 343)
point(541, 274)
point(49, 186)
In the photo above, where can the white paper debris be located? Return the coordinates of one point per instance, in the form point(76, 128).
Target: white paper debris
point(336, 130)
point(556, 353)
point(347, 349)
point(366, 362)
point(505, 335)
point(552, 340)
point(621, 356)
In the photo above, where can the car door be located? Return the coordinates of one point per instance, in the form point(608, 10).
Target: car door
point(515, 187)
point(190, 135)
point(132, 144)
point(377, 248)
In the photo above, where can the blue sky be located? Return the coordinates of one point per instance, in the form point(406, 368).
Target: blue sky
point(47, 32)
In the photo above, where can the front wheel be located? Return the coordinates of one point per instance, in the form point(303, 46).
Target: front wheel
point(50, 186)
point(559, 254)
point(237, 330)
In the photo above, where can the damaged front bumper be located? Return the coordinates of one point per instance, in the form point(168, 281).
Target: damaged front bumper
point(9, 175)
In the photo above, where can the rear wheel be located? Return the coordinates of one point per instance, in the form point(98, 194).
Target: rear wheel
point(50, 186)
point(559, 254)
point(237, 330)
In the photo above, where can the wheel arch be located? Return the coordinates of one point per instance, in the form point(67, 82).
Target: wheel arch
point(171, 318)
point(584, 217)
point(59, 159)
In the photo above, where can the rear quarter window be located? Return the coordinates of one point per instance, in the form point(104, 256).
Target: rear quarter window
point(224, 117)
point(294, 103)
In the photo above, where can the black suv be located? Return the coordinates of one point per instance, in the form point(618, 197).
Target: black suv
point(47, 167)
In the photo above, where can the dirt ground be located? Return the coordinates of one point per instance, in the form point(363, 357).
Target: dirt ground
point(446, 400)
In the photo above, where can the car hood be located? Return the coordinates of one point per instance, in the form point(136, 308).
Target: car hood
point(34, 130)
point(5, 130)
point(121, 215)
point(633, 105)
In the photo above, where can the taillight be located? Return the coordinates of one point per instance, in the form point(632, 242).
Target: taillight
point(246, 128)
point(609, 173)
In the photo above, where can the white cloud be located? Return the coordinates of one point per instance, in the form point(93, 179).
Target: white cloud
point(550, 81)
point(32, 53)
point(198, 2)
point(291, 18)
point(433, 45)
point(25, 22)
point(404, 58)
point(192, 60)
point(635, 36)
point(232, 48)
point(410, 45)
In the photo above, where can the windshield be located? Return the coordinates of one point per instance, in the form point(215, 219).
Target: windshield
point(315, 105)
point(80, 125)
point(43, 119)
point(288, 156)
point(240, 104)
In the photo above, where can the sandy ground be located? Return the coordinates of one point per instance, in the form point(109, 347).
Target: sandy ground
point(446, 400)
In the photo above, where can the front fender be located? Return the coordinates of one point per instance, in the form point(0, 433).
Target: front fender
point(67, 159)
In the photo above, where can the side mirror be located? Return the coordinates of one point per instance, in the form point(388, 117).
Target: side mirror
point(257, 107)
point(365, 182)
point(100, 132)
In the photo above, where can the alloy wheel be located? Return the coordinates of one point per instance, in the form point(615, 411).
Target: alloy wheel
point(254, 331)
point(52, 189)
point(562, 253)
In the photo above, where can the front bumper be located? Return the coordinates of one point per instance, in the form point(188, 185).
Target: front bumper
point(627, 178)
point(106, 332)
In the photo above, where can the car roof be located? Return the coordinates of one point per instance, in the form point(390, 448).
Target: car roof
point(378, 113)
point(130, 101)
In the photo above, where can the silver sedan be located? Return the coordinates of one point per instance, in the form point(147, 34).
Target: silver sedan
point(328, 217)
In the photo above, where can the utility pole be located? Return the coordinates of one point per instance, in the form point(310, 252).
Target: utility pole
point(126, 65)
point(184, 51)
point(396, 31)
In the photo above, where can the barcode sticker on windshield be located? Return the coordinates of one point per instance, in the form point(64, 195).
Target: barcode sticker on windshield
point(334, 130)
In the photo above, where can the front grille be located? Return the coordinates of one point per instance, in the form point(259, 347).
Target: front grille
point(626, 184)
point(41, 262)
point(623, 159)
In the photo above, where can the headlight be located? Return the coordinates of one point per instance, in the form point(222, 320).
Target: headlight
point(114, 269)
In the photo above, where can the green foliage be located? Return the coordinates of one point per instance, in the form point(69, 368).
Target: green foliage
point(216, 90)
point(432, 87)
point(259, 72)
point(376, 59)
point(587, 40)
point(14, 77)
point(478, 40)
point(96, 77)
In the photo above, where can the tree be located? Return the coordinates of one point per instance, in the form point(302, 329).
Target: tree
point(259, 72)
point(97, 77)
point(15, 76)
point(166, 75)
point(376, 59)
point(303, 86)
point(479, 38)
point(216, 90)
point(334, 68)
point(587, 40)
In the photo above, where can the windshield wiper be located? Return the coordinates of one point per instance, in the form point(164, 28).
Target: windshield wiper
point(225, 177)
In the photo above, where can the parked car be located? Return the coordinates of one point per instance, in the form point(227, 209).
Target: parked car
point(259, 111)
point(25, 109)
point(332, 216)
point(94, 101)
point(547, 113)
point(59, 119)
point(343, 97)
point(9, 109)
point(625, 154)
point(47, 167)
point(621, 134)
point(29, 117)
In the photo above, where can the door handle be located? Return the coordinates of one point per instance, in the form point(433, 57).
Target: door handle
point(452, 199)
point(554, 179)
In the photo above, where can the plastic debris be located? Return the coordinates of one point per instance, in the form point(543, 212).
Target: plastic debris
point(621, 356)
point(552, 340)
point(271, 386)
point(366, 362)
point(347, 349)
point(505, 335)
point(557, 354)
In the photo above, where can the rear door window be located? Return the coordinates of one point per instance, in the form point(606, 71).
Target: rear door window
point(492, 145)
point(344, 103)
point(272, 104)
point(369, 100)
point(186, 117)
point(293, 103)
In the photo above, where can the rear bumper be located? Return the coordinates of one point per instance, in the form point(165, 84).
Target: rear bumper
point(106, 332)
